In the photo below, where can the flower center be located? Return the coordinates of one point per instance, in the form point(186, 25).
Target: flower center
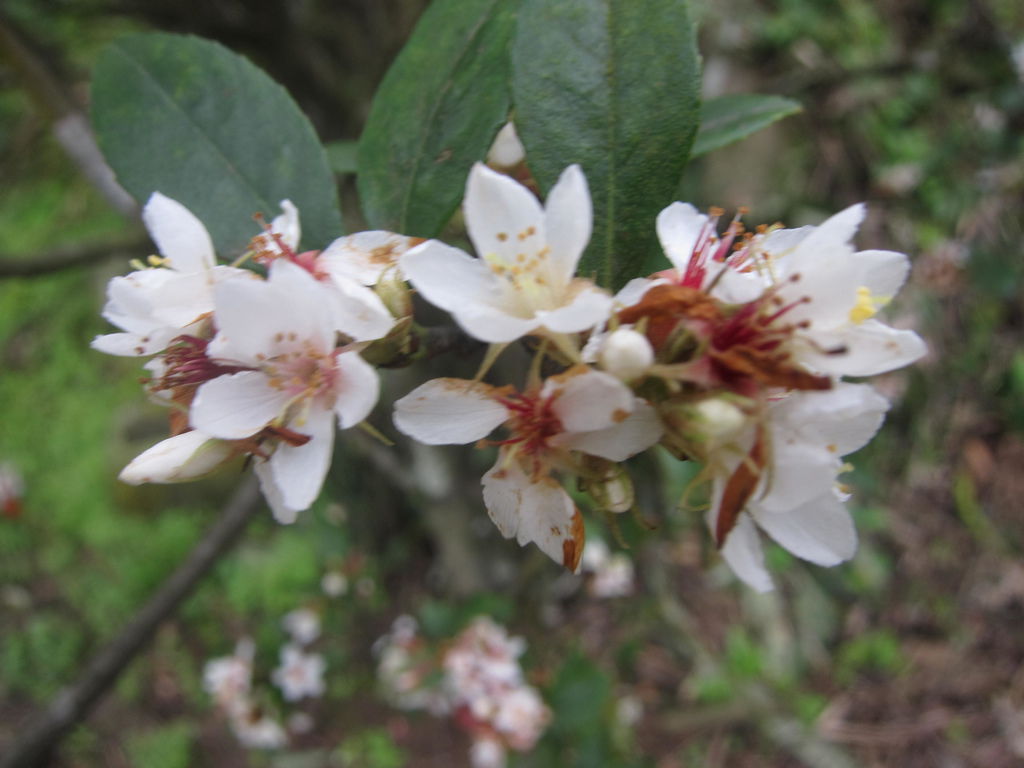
point(526, 274)
point(532, 423)
point(303, 374)
point(187, 364)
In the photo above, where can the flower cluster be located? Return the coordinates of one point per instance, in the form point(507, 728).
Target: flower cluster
point(228, 680)
point(734, 357)
point(253, 365)
point(476, 678)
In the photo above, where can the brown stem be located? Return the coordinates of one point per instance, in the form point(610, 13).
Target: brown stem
point(40, 737)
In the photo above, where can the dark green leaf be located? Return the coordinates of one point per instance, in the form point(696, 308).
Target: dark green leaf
point(191, 119)
point(731, 118)
point(436, 113)
point(614, 86)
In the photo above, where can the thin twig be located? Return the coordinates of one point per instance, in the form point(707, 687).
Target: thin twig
point(71, 256)
point(42, 736)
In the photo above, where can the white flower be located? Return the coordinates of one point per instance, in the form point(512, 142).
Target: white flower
point(153, 306)
point(487, 753)
point(228, 679)
point(796, 499)
point(334, 584)
point(612, 573)
point(521, 717)
point(183, 457)
point(255, 729)
point(302, 624)
point(523, 281)
point(364, 256)
point(580, 410)
point(809, 280)
point(283, 332)
point(300, 674)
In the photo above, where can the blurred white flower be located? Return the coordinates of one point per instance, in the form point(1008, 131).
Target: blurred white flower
point(228, 679)
point(303, 624)
point(256, 729)
point(487, 753)
point(300, 674)
point(334, 584)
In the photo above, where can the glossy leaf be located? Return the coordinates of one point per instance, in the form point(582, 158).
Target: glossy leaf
point(728, 119)
point(189, 118)
point(436, 113)
point(614, 86)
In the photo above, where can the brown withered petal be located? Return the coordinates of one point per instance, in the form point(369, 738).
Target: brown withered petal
point(739, 489)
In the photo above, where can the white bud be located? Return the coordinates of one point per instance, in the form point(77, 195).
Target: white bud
point(626, 354)
point(718, 418)
point(507, 151)
point(177, 459)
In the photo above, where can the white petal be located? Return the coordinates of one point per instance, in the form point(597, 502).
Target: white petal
point(588, 400)
point(178, 234)
point(834, 232)
point(503, 217)
point(568, 217)
point(492, 324)
point(842, 419)
point(743, 552)
point(637, 433)
point(358, 311)
point(287, 225)
point(365, 256)
point(133, 344)
point(358, 389)
point(282, 512)
point(177, 459)
point(679, 226)
point(866, 349)
point(507, 150)
point(634, 290)
point(183, 299)
point(540, 512)
point(589, 307)
point(820, 530)
point(800, 471)
point(299, 470)
point(236, 405)
point(449, 278)
point(449, 411)
point(884, 271)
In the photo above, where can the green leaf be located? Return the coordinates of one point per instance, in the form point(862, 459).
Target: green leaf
point(613, 85)
point(342, 156)
point(191, 119)
point(730, 118)
point(436, 113)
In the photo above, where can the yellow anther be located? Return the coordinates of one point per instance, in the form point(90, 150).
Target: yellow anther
point(866, 306)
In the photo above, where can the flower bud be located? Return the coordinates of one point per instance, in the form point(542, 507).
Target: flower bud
point(626, 354)
point(507, 150)
point(717, 419)
point(177, 459)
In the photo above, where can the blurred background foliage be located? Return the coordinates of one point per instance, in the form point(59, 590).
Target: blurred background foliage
point(910, 655)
